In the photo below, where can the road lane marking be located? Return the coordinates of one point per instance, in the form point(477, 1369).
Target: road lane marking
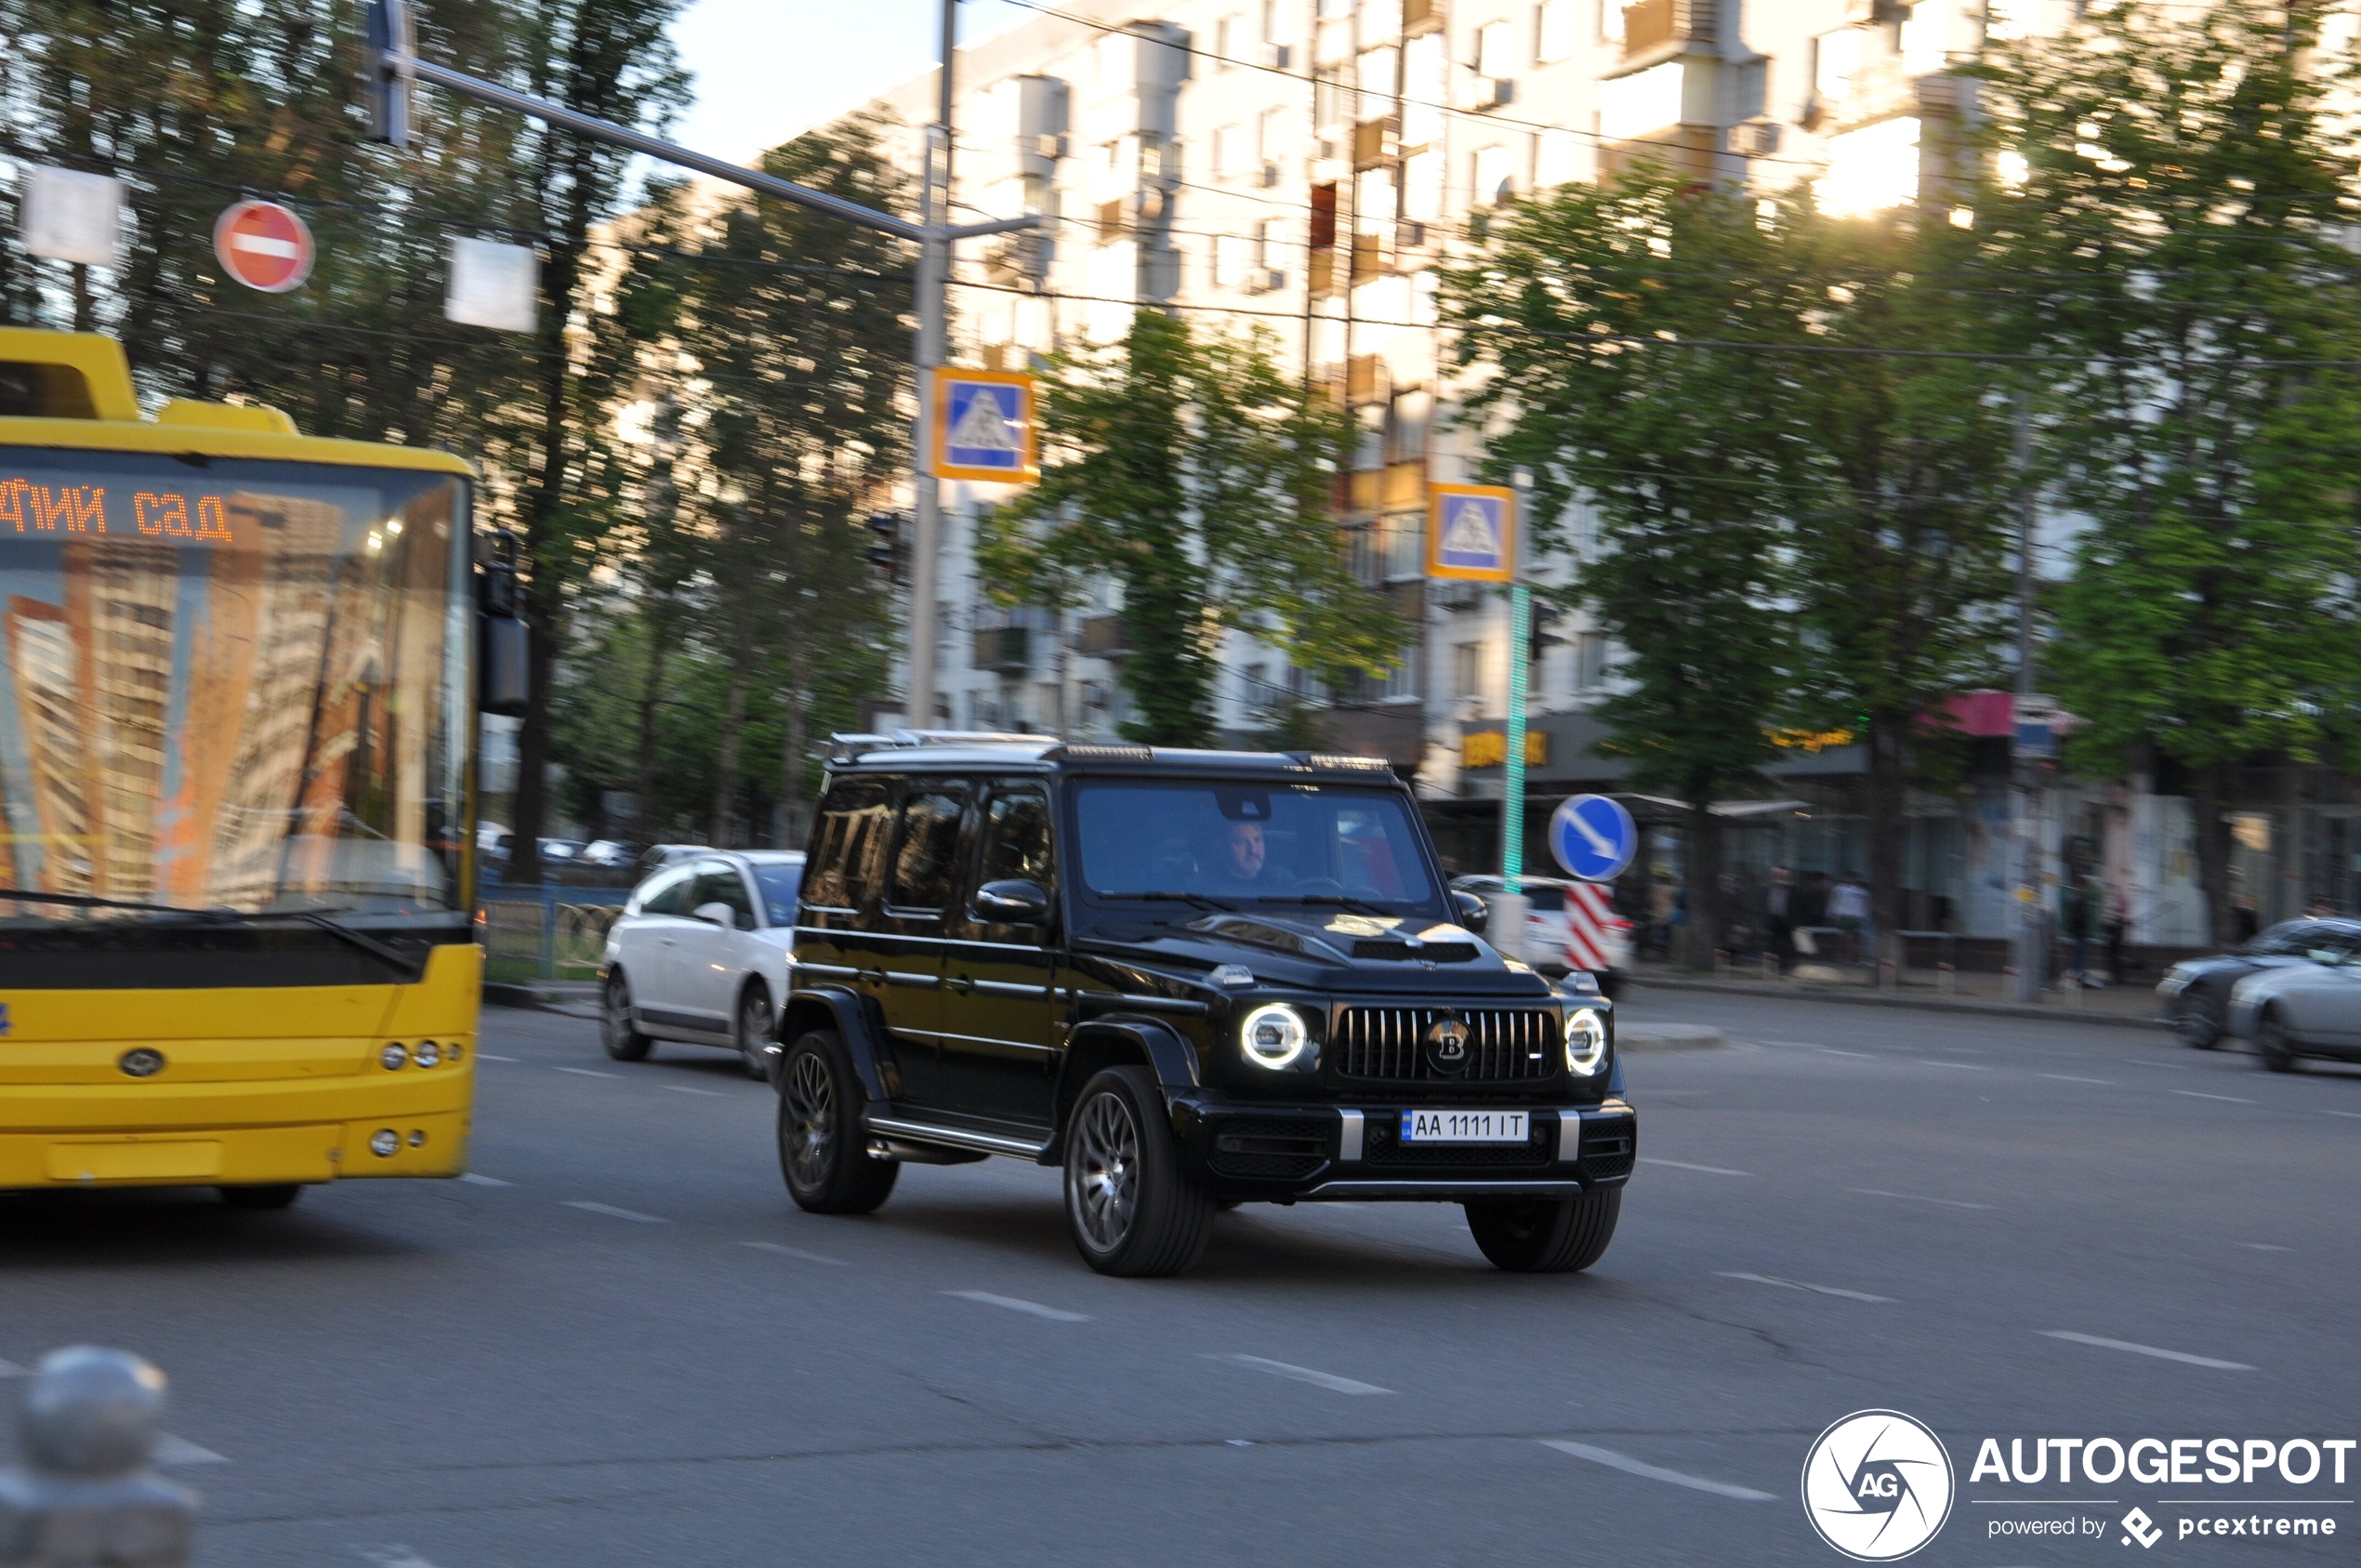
point(1795, 1045)
point(1684, 1164)
point(1863, 1055)
point(2355, 1114)
point(1328, 1381)
point(480, 1180)
point(1799, 1284)
point(2181, 1356)
point(1631, 1465)
point(392, 1556)
point(1963, 1066)
point(1017, 1304)
point(2070, 1078)
point(612, 1212)
point(796, 1252)
point(487, 1056)
point(11, 1369)
point(683, 1088)
point(587, 1073)
point(2226, 1098)
point(1914, 1198)
point(2162, 1066)
point(171, 1450)
point(2262, 1247)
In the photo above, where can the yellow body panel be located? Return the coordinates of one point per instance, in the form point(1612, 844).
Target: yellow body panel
point(258, 1085)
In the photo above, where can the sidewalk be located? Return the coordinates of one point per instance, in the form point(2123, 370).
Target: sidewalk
point(2133, 1005)
point(577, 998)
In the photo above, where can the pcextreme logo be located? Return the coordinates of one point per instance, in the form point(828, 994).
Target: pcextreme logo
point(1878, 1485)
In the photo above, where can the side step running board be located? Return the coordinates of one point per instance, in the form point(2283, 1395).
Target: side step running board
point(958, 1137)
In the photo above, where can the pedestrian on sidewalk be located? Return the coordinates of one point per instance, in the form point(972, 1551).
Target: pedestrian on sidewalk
point(1778, 929)
point(2075, 912)
point(1849, 908)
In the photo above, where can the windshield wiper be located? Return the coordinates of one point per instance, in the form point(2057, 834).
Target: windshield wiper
point(1341, 901)
point(361, 939)
point(1198, 899)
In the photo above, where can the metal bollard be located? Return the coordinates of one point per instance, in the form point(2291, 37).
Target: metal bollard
point(88, 1423)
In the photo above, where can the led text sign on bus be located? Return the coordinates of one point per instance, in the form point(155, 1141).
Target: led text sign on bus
point(82, 508)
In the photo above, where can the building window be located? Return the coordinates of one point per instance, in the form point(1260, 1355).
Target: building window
point(1553, 159)
point(1926, 37)
point(1379, 76)
point(1610, 22)
point(1590, 661)
point(1494, 183)
point(1643, 101)
point(1232, 254)
point(1229, 150)
point(1424, 84)
point(1270, 133)
point(1270, 244)
point(1835, 59)
point(1229, 35)
point(1495, 44)
point(1422, 187)
point(1373, 210)
point(1553, 31)
point(1467, 670)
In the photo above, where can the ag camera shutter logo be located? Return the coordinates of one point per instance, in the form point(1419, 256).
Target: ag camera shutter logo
point(1878, 1485)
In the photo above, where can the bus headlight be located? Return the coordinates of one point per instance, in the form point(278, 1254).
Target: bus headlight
point(1273, 1036)
point(428, 1054)
point(393, 1057)
point(1586, 1041)
point(385, 1143)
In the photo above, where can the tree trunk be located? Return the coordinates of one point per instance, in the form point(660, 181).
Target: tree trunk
point(1701, 935)
point(2213, 836)
point(792, 828)
point(725, 771)
point(1887, 785)
point(643, 779)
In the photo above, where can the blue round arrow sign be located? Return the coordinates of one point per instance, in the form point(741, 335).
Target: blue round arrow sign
point(1594, 837)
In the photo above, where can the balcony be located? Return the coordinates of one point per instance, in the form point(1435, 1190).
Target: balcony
point(1104, 636)
point(1004, 649)
point(1650, 25)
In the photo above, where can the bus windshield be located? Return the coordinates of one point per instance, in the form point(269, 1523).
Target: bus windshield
point(233, 685)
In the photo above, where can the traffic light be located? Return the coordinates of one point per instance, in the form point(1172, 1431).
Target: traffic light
point(887, 553)
point(386, 51)
point(1540, 638)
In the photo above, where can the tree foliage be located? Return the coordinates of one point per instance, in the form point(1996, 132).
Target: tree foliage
point(1187, 467)
point(2167, 219)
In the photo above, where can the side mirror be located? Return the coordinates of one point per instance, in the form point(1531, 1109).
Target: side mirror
point(719, 913)
point(504, 647)
point(1012, 903)
point(1475, 913)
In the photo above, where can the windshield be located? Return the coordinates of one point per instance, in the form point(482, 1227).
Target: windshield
point(230, 684)
point(778, 881)
point(1241, 844)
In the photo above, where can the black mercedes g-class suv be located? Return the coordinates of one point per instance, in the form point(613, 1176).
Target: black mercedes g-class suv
point(1194, 979)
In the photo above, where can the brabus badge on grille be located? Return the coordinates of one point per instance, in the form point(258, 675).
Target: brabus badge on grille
point(1447, 1045)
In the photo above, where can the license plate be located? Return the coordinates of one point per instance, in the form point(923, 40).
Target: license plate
point(1464, 1126)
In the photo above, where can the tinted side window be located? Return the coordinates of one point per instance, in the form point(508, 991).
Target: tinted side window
point(922, 862)
point(848, 845)
point(721, 884)
point(664, 897)
point(2288, 936)
point(1016, 841)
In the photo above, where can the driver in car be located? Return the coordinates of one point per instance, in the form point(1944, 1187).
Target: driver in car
point(1240, 860)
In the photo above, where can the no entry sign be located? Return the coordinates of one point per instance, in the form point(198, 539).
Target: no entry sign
point(264, 246)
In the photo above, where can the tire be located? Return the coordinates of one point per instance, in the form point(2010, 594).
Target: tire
point(1132, 1210)
point(823, 1156)
point(1545, 1235)
point(281, 1194)
point(622, 1042)
point(2199, 1025)
point(756, 1032)
point(2273, 1044)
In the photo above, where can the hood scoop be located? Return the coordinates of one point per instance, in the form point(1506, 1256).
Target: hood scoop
point(1405, 949)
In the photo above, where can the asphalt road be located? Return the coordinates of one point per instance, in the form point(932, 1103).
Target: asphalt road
point(621, 1344)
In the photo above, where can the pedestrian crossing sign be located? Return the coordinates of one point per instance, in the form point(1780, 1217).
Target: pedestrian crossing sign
point(984, 426)
point(1471, 533)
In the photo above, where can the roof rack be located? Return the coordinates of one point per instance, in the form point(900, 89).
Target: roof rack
point(1330, 759)
point(1100, 751)
point(844, 748)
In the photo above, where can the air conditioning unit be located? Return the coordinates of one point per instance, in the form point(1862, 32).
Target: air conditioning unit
point(1274, 56)
point(1267, 176)
point(1052, 147)
point(1495, 92)
point(1876, 12)
point(1755, 139)
point(1266, 280)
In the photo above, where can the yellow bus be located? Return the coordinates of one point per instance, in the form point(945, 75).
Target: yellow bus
point(238, 701)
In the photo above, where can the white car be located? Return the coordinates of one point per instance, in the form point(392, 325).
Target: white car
point(700, 954)
point(1602, 948)
point(2303, 1010)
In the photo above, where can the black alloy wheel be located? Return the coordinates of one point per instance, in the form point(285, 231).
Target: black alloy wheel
point(822, 1152)
point(278, 1194)
point(624, 1042)
point(1133, 1211)
point(2274, 1043)
point(1545, 1235)
point(755, 1033)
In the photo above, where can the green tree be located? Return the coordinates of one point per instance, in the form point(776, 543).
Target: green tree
point(1188, 469)
point(2167, 218)
point(1681, 452)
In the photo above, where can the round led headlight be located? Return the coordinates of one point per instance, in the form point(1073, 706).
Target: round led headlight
point(428, 1054)
point(393, 1057)
point(1586, 1041)
point(385, 1143)
point(1273, 1036)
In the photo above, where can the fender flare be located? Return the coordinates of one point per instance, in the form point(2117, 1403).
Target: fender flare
point(847, 1013)
point(1171, 1057)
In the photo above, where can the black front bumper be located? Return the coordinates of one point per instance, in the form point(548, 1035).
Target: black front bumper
point(1310, 1153)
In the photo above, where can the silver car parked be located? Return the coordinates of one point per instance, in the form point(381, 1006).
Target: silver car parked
point(2304, 1009)
point(700, 954)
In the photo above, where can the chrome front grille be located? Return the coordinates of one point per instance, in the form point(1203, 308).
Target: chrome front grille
point(1505, 1045)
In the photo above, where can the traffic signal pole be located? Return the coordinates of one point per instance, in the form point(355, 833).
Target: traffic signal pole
point(392, 64)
